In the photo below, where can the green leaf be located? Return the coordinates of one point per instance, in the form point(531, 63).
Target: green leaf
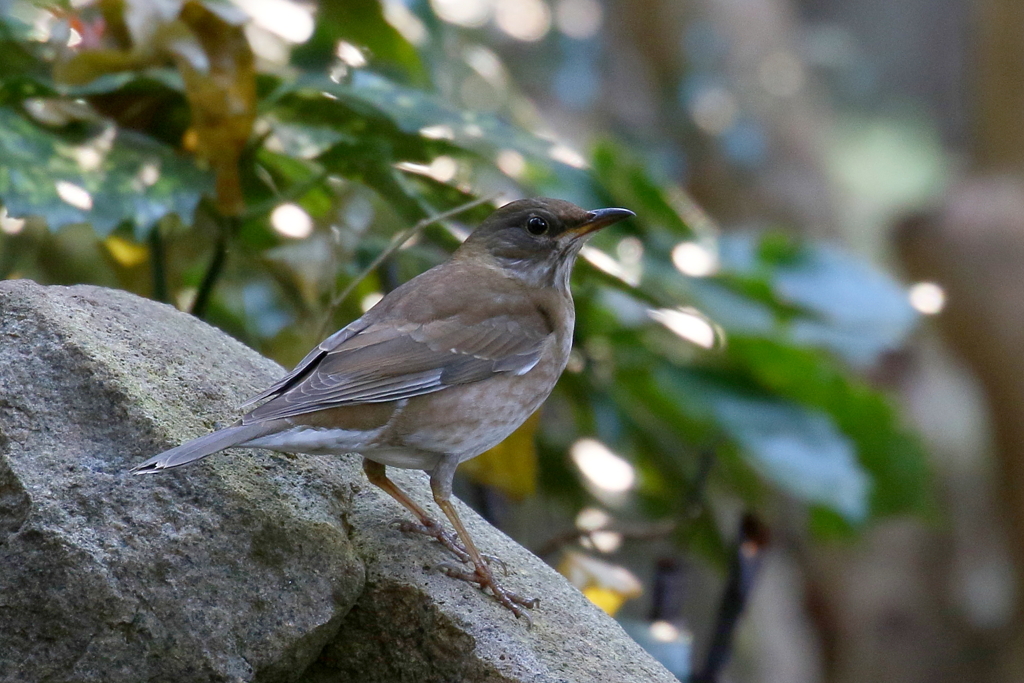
point(890, 453)
point(799, 449)
point(411, 111)
point(361, 23)
point(842, 303)
point(629, 184)
point(104, 182)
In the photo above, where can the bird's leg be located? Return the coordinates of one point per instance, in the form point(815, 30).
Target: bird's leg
point(441, 487)
point(377, 474)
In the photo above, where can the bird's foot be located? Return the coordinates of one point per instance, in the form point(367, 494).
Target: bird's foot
point(483, 577)
point(448, 539)
point(435, 530)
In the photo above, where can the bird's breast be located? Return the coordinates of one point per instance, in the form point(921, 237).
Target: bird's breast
point(469, 419)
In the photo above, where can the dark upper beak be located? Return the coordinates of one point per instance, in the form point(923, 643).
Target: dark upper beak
point(598, 219)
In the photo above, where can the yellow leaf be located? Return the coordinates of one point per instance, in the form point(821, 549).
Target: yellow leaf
point(91, 64)
point(606, 585)
point(608, 600)
point(511, 466)
point(219, 71)
point(127, 254)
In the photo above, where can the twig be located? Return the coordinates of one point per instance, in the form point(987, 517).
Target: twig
point(227, 225)
point(652, 532)
point(751, 542)
point(156, 260)
point(396, 243)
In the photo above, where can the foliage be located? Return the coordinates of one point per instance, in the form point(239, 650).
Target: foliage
point(175, 142)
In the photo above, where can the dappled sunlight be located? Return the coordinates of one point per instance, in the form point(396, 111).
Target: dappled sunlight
point(601, 467)
point(443, 169)
point(370, 300)
point(8, 225)
point(927, 298)
point(664, 631)
point(511, 163)
point(689, 324)
point(606, 542)
point(149, 174)
point(694, 260)
point(291, 220)
point(74, 195)
point(592, 519)
point(567, 155)
point(292, 21)
point(405, 22)
point(350, 54)
point(438, 132)
point(526, 20)
point(466, 13)
point(630, 273)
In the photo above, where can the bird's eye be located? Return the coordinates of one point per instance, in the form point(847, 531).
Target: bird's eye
point(537, 226)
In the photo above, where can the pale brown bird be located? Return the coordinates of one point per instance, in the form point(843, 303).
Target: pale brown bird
point(442, 369)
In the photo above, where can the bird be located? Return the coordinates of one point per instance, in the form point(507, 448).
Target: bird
point(440, 370)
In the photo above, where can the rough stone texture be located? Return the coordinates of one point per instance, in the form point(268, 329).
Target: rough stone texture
point(246, 567)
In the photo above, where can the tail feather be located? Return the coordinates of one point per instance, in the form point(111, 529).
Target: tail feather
point(200, 448)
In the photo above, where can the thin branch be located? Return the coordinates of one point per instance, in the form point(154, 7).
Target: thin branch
point(156, 263)
point(396, 243)
point(227, 226)
point(645, 533)
point(751, 542)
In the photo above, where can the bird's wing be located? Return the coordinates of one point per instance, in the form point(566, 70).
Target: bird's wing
point(392, 360)
point(309, 362)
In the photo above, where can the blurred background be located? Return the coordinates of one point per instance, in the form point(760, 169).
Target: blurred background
point(789, 445)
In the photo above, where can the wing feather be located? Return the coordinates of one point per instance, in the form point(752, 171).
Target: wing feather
point(307, 363)
point(391, 360)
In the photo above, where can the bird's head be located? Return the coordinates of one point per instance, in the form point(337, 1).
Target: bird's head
point(537, 240)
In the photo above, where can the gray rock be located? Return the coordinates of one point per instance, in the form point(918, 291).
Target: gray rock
point(248, 566)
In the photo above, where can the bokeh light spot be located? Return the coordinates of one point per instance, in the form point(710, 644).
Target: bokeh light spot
point(8, 225)
point(580, 19)
point(601, 467)
point(289, 20)
point(688, 324)
point(694, 260)
point(927, 298)
point(511, 163)
point(714, 110)
point(592, 519)
point(370, 300)
point(291, 220)
point(526, 20)
point(467, 13)
point(74, 195)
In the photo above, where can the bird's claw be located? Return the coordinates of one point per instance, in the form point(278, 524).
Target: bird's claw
point(483, 577)
point(480, 575)
point(493, 560)
point(438, 533)
point(446, 538)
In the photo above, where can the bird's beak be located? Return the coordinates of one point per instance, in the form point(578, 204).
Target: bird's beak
point(598, 219)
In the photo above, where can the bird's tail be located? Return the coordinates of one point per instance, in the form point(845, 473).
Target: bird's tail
point(201, 447)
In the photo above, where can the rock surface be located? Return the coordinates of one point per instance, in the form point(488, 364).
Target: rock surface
point(246, 567)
